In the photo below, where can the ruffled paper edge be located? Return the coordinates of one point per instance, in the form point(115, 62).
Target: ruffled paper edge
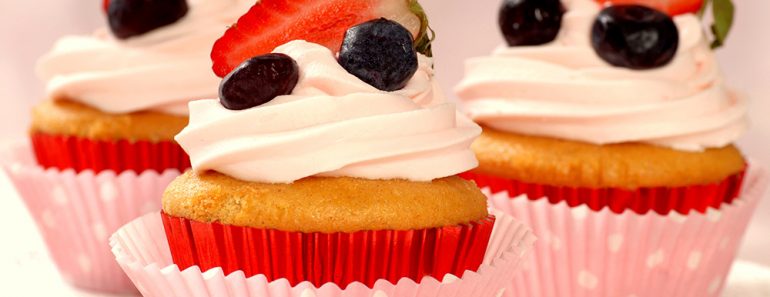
point(511, 242)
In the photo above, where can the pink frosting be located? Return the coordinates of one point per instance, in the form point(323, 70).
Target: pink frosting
point(161, 70)
point(333, 124)
point(564, 90)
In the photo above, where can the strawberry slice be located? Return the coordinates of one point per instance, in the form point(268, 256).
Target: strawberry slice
point(672, 7)
point(271, 23)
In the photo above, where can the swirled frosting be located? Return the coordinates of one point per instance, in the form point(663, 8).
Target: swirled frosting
point(159, 71)
point(333, 124)
point(564, 90)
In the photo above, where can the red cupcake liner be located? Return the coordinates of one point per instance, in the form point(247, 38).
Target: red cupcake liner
point(320, 258)
point(662, 200)
point(80, 154)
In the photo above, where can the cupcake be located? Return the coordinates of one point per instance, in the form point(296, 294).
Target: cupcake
point(329, 173)
point(116, 99)
point(102, 142)
point(610, 130)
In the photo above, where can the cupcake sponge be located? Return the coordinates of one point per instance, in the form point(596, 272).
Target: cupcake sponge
point(325, 204)
point(542, 160)
point(71, 119)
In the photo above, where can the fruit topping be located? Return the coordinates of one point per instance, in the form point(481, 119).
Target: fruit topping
point(635, 37)
point(271, 23)
point(129, 18)
point(259, 80)
point(381, 53)
point(530, 22)
point(723, 12)
point(672, 7)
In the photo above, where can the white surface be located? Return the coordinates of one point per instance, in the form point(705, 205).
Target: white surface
point(748, 280)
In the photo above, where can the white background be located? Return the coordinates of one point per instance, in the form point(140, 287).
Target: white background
point(464, 28)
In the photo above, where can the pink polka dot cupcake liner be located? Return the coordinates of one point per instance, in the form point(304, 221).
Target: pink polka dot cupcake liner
point(77, 212)
point(142, 251)
point(583, 252)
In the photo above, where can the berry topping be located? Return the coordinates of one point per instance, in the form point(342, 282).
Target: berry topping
point(271, 23)
point(635, 37)
point(381, 53)
point(130, 18)
point(530, 22)
point(259, 80)
point(672, 7)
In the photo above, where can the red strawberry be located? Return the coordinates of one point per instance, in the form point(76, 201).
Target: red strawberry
point(672, 7)
point(106, 5)
point(271, 23)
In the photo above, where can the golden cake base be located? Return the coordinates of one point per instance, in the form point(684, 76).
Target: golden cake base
point(325, 204)
point(556, 162)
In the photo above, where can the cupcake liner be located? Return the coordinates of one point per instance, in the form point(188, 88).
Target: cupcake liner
point(661, 200)
point(319, 258)
point(582, 252)
point(80, 154)
point(76, 213)
point(142, 250)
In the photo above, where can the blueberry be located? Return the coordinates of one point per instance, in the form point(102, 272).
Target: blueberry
point(130, 18)
point(381, 53)
point(259, 80)
point(635, 37)
point(530, 22)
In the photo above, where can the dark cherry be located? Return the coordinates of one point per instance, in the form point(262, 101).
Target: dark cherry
point(635, 37)
point(259, 80)
point(530, 22)
point(381, 53)
point(130, 18)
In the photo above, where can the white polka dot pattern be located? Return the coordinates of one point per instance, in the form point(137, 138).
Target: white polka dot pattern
point(587, 280)
point(694, 260)
point(655, 259)
point(555, 241)
point(84, 263)
point(614, 242)
point(714, 286)
point(108, 192)
point(76, 213)
point(501, 293)
point(59, 196)
point(100, 231)
point(604, 254)
point(47, 217)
